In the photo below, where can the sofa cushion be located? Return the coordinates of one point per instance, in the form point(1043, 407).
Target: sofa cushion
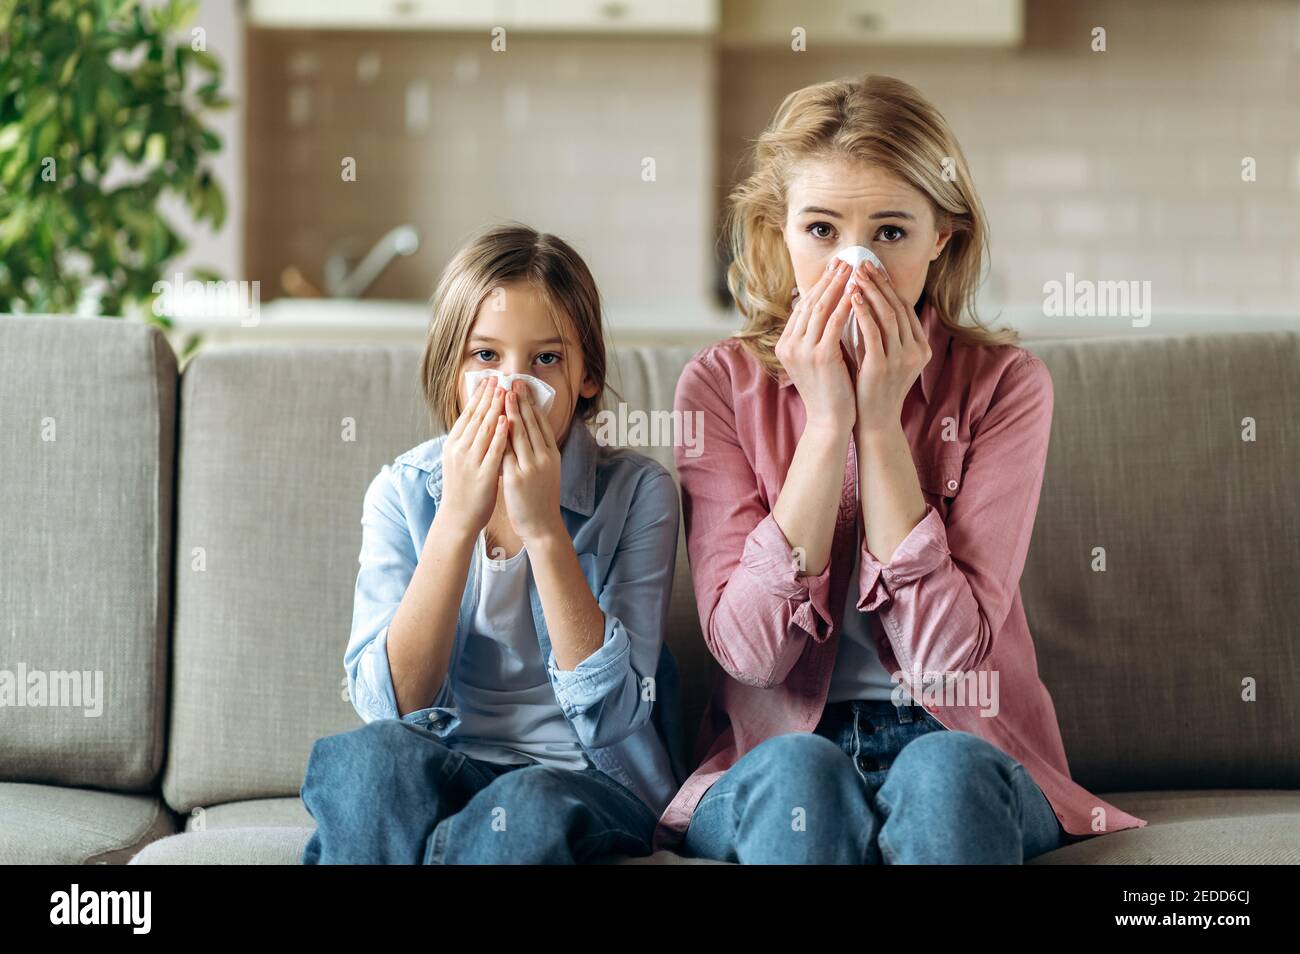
point(259, 831)
point(1208, 827)
point(271, 831)
point(284, 846)
point(228, 846)
point(254, 812)
point(57, 825)
point(87, 432)
point(1147, 662)
point(1211, 827)
point(277, 446)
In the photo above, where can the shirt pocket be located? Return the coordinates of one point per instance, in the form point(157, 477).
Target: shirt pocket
point(941, 481)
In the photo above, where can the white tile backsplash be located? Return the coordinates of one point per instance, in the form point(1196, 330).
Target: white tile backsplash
point(1115, 165)
point(1123, 164)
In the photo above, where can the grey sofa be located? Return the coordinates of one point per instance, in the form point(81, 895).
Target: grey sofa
point(193, 539)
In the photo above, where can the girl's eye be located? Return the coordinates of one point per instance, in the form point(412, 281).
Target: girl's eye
point(548, 354)
point(893, 228)
point(820, 225)
point(482, 351)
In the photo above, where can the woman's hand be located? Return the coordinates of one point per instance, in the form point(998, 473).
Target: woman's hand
point(471, 459)
point(531, 470)
point(809, 350)
point(895, 349)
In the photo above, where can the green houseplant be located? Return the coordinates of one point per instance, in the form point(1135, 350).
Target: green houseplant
point(100, 104)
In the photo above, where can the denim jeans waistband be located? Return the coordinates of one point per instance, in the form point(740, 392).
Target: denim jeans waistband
point(883, 709)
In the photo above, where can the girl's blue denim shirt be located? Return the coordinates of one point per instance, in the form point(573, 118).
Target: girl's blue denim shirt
point(621, 509)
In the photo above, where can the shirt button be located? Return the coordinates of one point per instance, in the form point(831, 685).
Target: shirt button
point(952, 485)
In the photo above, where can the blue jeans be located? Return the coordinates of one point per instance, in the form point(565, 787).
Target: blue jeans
point(390, 792)
point(874, 784)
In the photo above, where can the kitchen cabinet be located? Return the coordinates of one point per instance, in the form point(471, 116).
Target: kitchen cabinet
point(533, 16)
point(987, 23)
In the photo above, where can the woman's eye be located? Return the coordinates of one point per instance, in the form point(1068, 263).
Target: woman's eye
point(820, 225)
point(893, 228)
point(548, 354)
point(482, 351)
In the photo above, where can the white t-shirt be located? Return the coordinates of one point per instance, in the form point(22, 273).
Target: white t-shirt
point(507, 707)
point(858, 672)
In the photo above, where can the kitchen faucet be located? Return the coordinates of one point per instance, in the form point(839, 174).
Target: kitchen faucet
point(340, 283)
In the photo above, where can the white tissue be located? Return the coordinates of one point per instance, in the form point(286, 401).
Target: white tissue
point(543, 393)
point(855, 255)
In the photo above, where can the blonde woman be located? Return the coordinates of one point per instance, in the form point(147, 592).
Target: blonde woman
point(509, 608)
point(859, 519)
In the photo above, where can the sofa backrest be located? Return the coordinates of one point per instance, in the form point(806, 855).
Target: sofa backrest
point(1150, 461)
point(277, 445)
point(1145, 661)
point(87, 442)
point(1148, 661)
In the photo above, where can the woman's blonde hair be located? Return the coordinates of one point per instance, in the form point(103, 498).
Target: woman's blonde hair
point(881, 121)
point(498, 256)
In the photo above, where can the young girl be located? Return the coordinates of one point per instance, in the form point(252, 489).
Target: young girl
point(858, 522)
point(507, 635)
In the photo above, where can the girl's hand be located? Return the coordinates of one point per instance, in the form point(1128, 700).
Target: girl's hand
point(809, 350)
point(471, 459)
point(895, 349)
point(531, 470)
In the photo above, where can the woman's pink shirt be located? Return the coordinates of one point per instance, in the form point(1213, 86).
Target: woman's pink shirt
point(948, 602)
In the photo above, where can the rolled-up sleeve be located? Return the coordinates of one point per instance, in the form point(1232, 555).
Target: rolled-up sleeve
point(756, 611)
point(948, 588)
point(388, 559)
point(610, 694)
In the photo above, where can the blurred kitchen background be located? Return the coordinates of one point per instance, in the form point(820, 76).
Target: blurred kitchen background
point(1117, 165)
